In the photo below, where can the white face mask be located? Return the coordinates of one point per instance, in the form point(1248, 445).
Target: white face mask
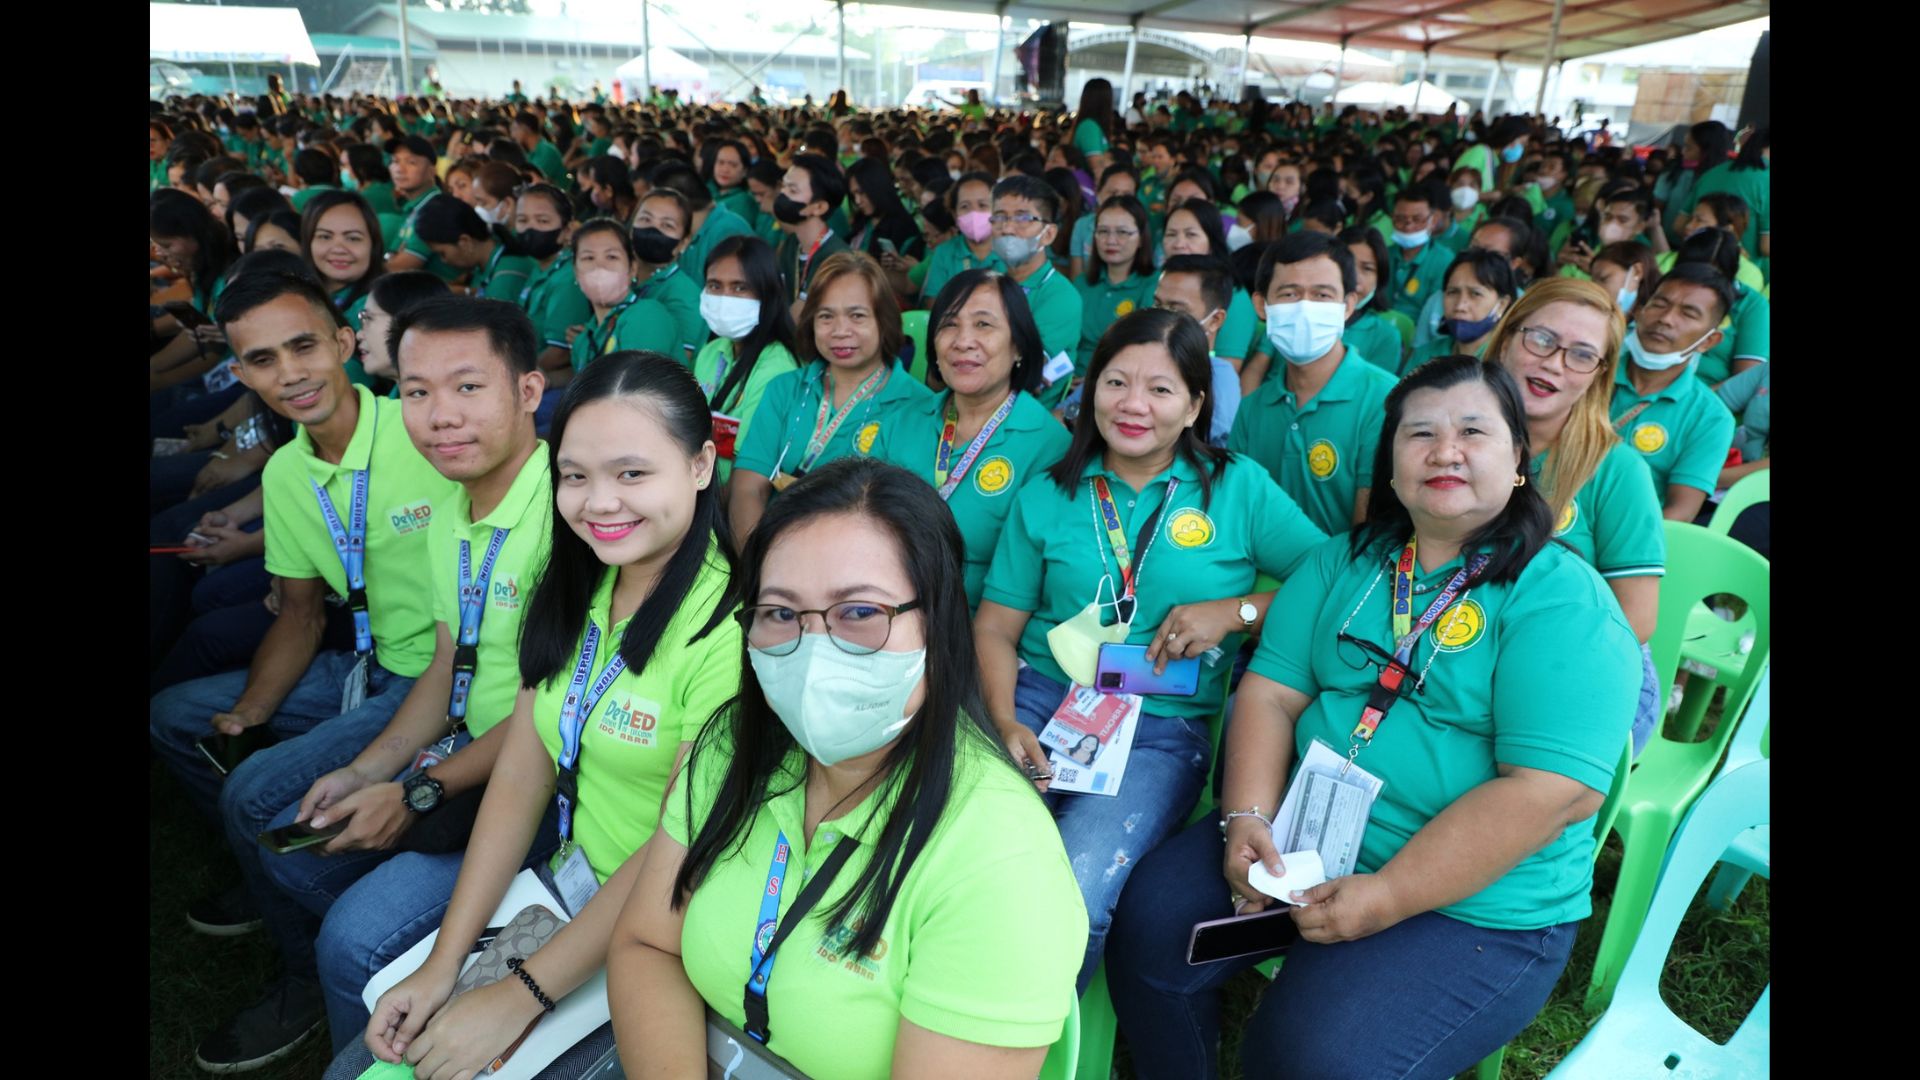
point(1305, 330)
point(497, 214)
point(730, 317)
point(1465, 198)
point(839, 706)
point(1654, 361)
point(1410, 239)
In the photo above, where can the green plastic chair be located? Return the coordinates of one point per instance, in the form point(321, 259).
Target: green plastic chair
point(1063, 1057)
point(1639, 1036)
point(1402, 324)
point(1097, 1028)
point(1711, 640)
point(915, 325)
point(1671, 774)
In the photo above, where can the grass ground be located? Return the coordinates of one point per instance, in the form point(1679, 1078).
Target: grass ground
point(1718, 966)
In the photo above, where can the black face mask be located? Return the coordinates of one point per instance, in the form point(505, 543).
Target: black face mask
point(790, 211)
point(539, 243)
point(652, 246)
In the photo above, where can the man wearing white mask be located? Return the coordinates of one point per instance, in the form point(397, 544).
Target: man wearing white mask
point(1315, 428)
point(1416, 265)
point(1677, 423)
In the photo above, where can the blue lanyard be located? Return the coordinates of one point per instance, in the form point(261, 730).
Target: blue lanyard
point(769, 920)
point(486, 276)
point(1028, 289)
point(574, 713)
point(351, 544)
point(473, 607)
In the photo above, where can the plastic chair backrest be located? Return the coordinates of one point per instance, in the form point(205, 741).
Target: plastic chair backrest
point(1701, 563)
point(914, 323)
point(1750, 742)
point(1610, 809)
point(1750, 490)
point(1403, 325)
point(1063, 1057)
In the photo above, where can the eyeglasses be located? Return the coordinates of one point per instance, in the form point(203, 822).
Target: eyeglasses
point(1105, 233)
point(858, 627)
point(1360, 654)
point(1021, 218)
point(1544, 343)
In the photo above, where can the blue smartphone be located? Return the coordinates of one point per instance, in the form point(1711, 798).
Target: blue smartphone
point(1125, 669)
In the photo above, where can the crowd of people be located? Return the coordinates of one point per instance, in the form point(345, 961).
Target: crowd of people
point(807, 466)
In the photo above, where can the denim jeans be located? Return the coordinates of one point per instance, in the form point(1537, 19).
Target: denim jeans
point(1107, 835)
point(573, 1062)
point(1652, 706)
point(316, 739)
point(1427, 997)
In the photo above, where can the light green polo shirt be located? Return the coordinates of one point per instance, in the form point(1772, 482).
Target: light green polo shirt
point(1103, 304)
point(1613, 521)
point(502, 276)
point(635, 324)
point(951, 258)
point(1539, 673)
point(945, 960)
point(1321, 454)
point(553, 300)
point(1409, 280)
point(679, 293)
point(743, 401)
point(628, 745)
point(1049, 558)
point(1029, 442)
point(722, 221)
point(404, 493)
point(526, 512)
point(406, 239)
point(1056, 308)
point(1683, 435)
point(790, 406)
point(1373, 337)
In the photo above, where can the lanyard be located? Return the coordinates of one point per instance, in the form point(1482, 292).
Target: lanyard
point(767, 938)
point(722, 360)
point(1028, 289)
point(486, 276)
point(1107, 516)
point(603, 347)
point(803, 264)
point(825, 428)
point(473, 606)
point(574, 713)
point(647, 289)
point(1386, 690)
point(947, 482)
point(350, 541)
point(1627, 417)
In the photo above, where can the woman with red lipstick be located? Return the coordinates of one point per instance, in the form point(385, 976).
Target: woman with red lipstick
point(1491, 707)
point(340, 237)
point(1142, 534)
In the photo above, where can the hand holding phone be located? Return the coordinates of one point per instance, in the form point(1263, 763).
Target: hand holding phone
point(294, 837)
point(1263, 933)
point(1126, 669)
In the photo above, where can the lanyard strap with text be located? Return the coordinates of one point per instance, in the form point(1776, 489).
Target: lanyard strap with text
point(1109, 519)
point(947, 473)
point(473, 606)
point(1392, 676)
point(574, 713)
point(613, 321)
point(824, 428)
point(768, 936)
point(350, 541)
point(803, 265)
point(486, 276)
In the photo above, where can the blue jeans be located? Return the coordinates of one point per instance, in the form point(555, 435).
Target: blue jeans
point(1652, 705)
point(573, 1062)
point(316, 739)
point(1107, 835)
point(1427, 997)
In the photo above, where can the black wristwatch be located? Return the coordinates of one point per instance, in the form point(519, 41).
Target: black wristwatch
point(423, 793)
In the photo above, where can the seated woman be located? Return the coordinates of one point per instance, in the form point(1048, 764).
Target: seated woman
point(986, 436)
point(1368, 332)
point(1627, 270)
point(1139, 490)
point(1479, 290)
point(639, 557)
point(1120, 275)
point(1476, 863)
point(928, 941)
point(340, 237)
point(745, 306)
point(603, 266)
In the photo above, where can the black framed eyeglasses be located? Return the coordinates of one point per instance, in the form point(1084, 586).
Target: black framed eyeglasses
point(1360, 654)
point(858, 627)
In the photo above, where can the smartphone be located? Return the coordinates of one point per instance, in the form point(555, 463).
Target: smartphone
point(198, 540)
point(294, 837)
point(224, 752)
point(1264, 933)
point(186, 314)
point(886, 245)
point(1125, 669)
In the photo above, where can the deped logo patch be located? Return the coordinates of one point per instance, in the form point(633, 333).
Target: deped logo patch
point(1567, 517)
point(1649, 438)
point(506, 594)
point(867, 434)
point(631, 720)
point(407, 519)
point(1461, 627)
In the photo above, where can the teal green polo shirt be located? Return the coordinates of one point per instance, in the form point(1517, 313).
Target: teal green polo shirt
point(1745, 334)
point(635, 324)
point(785, 420)
point(951, 258)
point(1049, 560)
point(1105, 303)
point(1321, 454)
point(553, 300)
point(503, 276)
point(405, 239)
point(1410, 279)
point(305, 195)
point(1088, 138)
point(548, 160)
point(1683, 434)
point(679, 293)
point(1055, 304)
point(1029, 442)
point(1613, 521)
point(721, 223)
point(1539, 673)
point(1749, 395)
point(1373, 337)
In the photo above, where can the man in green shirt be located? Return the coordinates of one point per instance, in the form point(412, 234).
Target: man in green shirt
point(1676, 422)
point(314, 171)
point(541, 154)
point(412, 170)
point(516, 97)
point(809, 192)
point(347, 506)
point(1025, 220)
point(1416, 265)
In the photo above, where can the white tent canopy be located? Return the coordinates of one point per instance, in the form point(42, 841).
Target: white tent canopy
point(667, 64)
point(200, 33)
point(1389, 95)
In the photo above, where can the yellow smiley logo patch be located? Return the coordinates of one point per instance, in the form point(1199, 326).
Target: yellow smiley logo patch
point(1123, 309)
point(1461, 627)
point(1323, 460)
point(1567, 517)
point(993, 476)
point(1190, 529)
point(864, 441)
point(1649, 438)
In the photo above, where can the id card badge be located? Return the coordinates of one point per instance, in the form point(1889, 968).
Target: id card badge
point(1089, 738)
point(781, 481)
point(1326, 809)
point(433, 755)
point(573, 877)
point(1058, 367)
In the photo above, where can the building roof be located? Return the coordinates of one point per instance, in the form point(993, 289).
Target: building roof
point(194, 33)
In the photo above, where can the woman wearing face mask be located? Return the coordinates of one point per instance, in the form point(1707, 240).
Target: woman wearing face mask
point(1117, 180)
point(854, 743)
point(1479, 290)
point(630, 618)
point(622, 322)
point(543, 231)
point(492, 192)
point(986, 436)
point(1122, 279)
point(1378, 341)
point(1196, 229)
point(458, 237)
point(1144, 521)
point(850, 388)
point(723, 165)
point(340, 236)
point(608, 187)
point(1628, 272)
point(753, 338)
point(1463, 194)
point(659, 232)
point(1478, 843)
point(971, 200)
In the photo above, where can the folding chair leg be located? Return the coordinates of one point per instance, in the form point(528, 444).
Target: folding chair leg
point(1489, 1067)
point(1728, 882)
point(1097, 1028)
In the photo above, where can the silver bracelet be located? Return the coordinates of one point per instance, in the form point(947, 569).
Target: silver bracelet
point(1253, 813)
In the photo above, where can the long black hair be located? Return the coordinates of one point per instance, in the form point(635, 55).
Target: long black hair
point(1753, 151)
point(1029, 353)
point(317, 208)
point(920, 767)
point(564, 591)
point(1355, 236)
point(1142, 255)
point(890, 217)
point(174, 213)
point(1208, 217)
point(762, 271)
point(1187, 344)
point(1512, 538)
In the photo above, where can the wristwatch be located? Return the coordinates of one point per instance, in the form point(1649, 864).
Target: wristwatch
point(1248, 613)
point(422, 793)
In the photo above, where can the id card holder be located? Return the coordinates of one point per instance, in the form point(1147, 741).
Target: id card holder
point(1089, 738)
point(1058, 367)
point(439, 752)
point(1326, 809)
point(573, 877)
point(781, 481)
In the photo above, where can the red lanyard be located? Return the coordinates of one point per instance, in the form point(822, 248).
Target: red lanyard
point(1386, 691)
point(803, 265)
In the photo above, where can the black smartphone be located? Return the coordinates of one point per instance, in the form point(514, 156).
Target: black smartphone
point(224, 752)
point(294, 837)
point(186, 314)
point(1264, 933)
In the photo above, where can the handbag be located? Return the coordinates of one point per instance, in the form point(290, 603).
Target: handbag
point(523, 936)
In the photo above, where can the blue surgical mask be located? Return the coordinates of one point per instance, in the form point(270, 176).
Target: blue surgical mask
point(1410, 239)
point(1626, 298)
point(837, 705)
point(1364, 301)
point(1512, 153)
point(1304, 331)
point(1465, 330)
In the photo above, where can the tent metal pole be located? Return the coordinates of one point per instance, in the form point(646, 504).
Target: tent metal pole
point(1339, 73)
point(646, 52)
point(1425, 55)
point(840, 72)
point(406, 53)
point(999, 50)
point(1493, 83)
point(1126, 80)
point(1546, 62)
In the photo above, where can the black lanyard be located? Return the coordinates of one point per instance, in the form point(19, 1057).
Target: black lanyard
point(755, 1003)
